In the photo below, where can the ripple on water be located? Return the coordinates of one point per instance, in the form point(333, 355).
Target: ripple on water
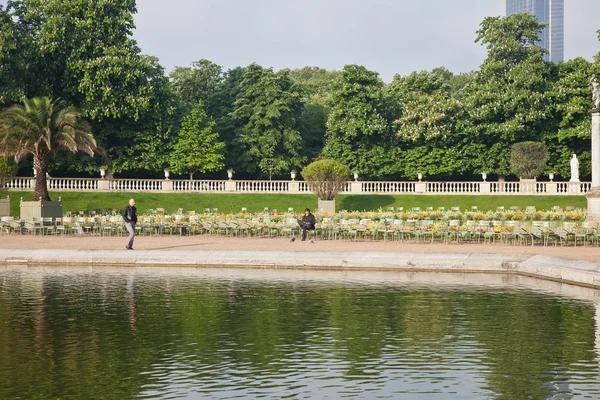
point(138, 335)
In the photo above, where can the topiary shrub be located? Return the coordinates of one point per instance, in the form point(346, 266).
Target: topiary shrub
point(528, 159)
point(326, 178)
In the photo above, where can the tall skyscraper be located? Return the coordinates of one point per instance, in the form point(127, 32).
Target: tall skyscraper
point(550, 12)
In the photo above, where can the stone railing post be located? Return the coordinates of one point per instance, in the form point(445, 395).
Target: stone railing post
point(294, 187)
point(485, 187)
point(230, 186)
point(167, 185)
point(420, 187)
point(552, 187)
point(104, 185)
point(355, 187)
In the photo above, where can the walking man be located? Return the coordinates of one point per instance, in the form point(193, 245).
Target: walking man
point(130, 218)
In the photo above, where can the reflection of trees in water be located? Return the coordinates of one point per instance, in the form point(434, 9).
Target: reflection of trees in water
point(530, 341)
point(130, 301)
point(79, 329)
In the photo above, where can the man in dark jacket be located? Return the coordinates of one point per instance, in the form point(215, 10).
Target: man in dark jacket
point(307, 223)
point(130, 218)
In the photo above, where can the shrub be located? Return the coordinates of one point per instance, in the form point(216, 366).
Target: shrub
point(528, 159)
point(326, 178)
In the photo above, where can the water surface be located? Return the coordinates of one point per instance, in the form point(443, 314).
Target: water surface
point(201, 334)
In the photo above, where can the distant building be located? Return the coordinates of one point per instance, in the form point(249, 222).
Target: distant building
point(550, 12)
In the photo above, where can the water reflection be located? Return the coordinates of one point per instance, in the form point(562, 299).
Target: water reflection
point(187, 333)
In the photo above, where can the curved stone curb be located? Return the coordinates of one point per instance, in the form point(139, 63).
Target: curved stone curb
point(584, 273)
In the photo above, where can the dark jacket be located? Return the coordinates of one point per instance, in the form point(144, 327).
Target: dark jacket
point(309, 219)
point(130, 214)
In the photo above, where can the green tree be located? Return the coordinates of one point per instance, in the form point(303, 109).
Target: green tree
point(528, 159)
point(41, 127)
point(15, 49)
point(430, 124)
point(326, 178)
point(358, 128)
point(8, 169)
point(220, 107)
point(198, 148)
point(317, 86)
point(267, 110)
point(570, 130)
point(507, 102)
point(82, 51)
point(196, 83)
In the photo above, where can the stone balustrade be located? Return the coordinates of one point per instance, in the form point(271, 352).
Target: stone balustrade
point(525, 187)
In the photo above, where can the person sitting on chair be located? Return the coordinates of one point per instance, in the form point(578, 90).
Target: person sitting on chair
point(307, 223)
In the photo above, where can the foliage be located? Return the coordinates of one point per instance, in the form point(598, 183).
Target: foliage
point(196, 83)
point(326, 178)
point(528, 159)
point(430, 124)
point(267, 110)
point(198, 148)
point(8, 169)
point(358, 129)
point(507, 102)
point(82, 51)
point(220, 106)
point(570, 131)
point(317, 84)
point(41, 127)
point(317, 87)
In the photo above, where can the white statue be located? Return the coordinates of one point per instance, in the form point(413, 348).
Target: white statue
point(574, 169)
point(595, 92)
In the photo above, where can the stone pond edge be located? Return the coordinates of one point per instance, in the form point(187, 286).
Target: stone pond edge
point(576, 272)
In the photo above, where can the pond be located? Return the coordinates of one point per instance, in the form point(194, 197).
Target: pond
point(221, 334)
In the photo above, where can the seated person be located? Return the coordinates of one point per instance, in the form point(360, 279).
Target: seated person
point(307, 222)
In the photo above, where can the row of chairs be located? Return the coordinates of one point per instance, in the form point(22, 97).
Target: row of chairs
point(453, 231)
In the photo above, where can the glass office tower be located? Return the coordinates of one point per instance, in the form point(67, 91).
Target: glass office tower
point(550, 12)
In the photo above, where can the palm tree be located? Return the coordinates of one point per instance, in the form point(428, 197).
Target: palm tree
point(41, 127)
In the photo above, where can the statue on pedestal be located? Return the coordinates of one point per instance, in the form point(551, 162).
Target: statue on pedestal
point(595, 92)
point(574, 169)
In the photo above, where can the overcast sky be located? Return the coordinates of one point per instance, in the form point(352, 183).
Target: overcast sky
point(388, 36)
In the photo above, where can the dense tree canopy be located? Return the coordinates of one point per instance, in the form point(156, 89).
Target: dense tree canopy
point(444, 125)
point(267, 110)
point(358, 133)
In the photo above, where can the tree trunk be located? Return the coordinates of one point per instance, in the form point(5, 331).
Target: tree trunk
point(40, 163)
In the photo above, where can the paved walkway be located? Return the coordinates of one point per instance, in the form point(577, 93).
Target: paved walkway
point(173, 243)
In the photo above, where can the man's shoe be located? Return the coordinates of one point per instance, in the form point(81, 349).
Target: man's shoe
point(129, 248)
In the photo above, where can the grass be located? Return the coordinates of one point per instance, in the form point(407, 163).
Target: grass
point(226, 203)
point(483, 202)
